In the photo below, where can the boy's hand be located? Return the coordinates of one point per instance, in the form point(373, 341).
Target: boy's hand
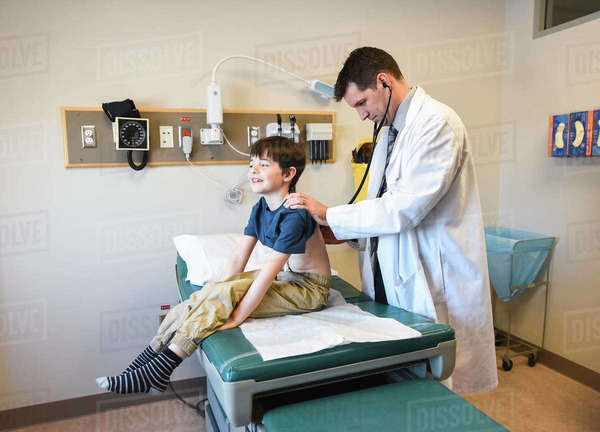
point(302, 201)
point(230, 323)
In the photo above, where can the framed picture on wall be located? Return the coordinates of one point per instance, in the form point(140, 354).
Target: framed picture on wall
point(595, 135)
point(578, 133)
point(558, 135)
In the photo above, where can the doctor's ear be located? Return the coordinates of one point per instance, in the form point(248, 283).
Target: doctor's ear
point(383, 79)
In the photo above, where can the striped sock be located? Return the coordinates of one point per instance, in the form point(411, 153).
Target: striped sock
point(153, 376)
point(146, 355)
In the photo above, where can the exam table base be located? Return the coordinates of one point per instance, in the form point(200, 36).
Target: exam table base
point(422, 405)
point(236, 398)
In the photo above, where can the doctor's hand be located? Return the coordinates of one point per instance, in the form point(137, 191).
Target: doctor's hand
point(302, 201)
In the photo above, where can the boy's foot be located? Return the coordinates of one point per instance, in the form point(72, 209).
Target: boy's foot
point(146, 355)
point(153, 377)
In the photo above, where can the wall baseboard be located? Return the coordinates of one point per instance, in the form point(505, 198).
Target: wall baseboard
point(93, 404)
point(562, 365)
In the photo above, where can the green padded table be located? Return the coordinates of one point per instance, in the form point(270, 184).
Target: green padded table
point(237, 372)
point(410, 406)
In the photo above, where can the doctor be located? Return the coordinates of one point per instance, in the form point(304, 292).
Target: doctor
point(420, 230)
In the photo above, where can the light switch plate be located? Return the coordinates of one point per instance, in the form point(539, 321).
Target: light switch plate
point(166, 136)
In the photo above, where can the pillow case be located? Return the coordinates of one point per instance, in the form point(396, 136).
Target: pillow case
point(206, 256)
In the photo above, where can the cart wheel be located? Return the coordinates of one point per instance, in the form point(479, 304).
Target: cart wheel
point(531, 360)
point(507, 364)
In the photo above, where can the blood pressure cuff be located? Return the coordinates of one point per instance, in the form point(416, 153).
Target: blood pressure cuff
point(124, 108)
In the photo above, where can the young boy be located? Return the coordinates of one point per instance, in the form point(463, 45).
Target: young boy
point(275, 166)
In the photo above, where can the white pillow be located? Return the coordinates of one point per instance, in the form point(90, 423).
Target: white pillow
point(206, 256)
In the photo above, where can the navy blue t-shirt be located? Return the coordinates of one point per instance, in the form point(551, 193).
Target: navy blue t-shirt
point(284, 230)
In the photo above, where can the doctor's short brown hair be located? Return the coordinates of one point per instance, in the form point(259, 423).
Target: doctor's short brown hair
point(362, 66)
point(284, 151)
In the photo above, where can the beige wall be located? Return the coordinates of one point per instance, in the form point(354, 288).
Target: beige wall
point(555, 74)
point(86, 256)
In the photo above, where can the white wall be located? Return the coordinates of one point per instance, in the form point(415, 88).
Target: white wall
point(555, 74)
point(86, 255)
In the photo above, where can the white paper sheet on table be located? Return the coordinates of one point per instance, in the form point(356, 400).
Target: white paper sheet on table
point(340, 323)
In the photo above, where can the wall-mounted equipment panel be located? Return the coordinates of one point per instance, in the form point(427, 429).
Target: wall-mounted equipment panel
point(239, 128)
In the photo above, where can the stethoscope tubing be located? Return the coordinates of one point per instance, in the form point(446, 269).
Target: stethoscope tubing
point(376, 130)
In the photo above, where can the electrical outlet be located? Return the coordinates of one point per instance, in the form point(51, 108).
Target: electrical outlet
point(164, 311)
point(166, 136)
point(88, 136)
point(253, 134)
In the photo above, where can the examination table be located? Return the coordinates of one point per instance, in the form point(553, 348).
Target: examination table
point(279, 394)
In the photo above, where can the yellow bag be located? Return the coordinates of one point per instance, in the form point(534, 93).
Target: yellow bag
point(359, 168)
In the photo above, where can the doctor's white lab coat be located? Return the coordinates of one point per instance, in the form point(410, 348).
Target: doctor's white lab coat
point(431, 242)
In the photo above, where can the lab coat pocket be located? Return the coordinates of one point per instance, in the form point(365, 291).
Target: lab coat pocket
point(439, 286)
point(407, 257)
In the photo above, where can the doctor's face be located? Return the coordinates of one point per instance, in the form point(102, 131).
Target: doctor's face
point(369, 103)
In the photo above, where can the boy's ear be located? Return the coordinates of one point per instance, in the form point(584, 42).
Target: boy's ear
point(289, 174)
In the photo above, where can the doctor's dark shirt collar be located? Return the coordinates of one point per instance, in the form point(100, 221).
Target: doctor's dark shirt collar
point(402, 111)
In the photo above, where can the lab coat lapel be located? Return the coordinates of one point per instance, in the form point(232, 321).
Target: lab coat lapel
point(413, 109)
point(415, 106)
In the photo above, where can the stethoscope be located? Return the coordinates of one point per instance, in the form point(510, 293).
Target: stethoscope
point(376, 130)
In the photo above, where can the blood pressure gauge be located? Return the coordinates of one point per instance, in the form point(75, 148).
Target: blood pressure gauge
point(132, 133)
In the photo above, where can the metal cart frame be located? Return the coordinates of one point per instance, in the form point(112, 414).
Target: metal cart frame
point(520, 347)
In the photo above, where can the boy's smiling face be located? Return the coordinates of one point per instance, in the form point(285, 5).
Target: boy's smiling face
point(265, 175)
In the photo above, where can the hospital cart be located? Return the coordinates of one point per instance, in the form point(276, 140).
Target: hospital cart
point(515, 261)
point(245, 391)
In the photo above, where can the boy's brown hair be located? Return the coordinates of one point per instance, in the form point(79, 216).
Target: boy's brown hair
point(283, 151)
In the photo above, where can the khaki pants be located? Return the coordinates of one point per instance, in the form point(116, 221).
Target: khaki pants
point(192, 320)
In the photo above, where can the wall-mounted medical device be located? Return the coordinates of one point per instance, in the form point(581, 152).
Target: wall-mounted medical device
point(253, 134)
point(186, 140)
point(130, 131)
point(318, 137)
point(214, 106)
point(273, 129)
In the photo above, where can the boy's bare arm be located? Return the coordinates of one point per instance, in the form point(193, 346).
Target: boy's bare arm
point(237, 262)
point(257, 290)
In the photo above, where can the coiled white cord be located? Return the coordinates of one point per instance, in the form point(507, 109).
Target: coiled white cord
point(233, 195)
